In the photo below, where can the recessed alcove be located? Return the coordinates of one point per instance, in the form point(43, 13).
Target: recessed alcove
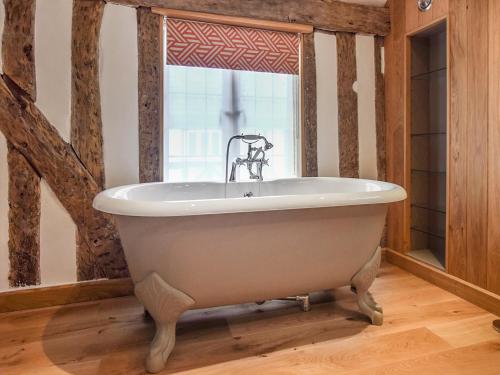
point(428, 85)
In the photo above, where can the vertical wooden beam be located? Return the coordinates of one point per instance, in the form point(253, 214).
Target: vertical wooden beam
point(149, 41)
point(24, 220)
point(394, 110)
point(348, 106)
point(493, 282)
point(380, 110)
point(309, 115)
point(24, 182)
point(477, 141)
point(380, 127)
point(18, 53)
point(86, 121)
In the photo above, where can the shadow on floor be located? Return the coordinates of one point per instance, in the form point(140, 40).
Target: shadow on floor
point(113, 336)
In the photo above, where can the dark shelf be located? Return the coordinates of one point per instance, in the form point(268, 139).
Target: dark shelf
point(427, 232)
point(440, 210)
point(422, 75)
point(427, 171)
point(426, 134)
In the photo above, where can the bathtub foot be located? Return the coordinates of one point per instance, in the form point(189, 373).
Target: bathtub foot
point(361, 282)
point(165, 304)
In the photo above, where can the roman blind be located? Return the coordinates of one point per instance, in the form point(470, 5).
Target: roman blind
point(211, 45)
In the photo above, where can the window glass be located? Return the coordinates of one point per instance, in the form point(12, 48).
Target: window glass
point(204, 107)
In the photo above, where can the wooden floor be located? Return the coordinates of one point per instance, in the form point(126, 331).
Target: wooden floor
point(426, 331)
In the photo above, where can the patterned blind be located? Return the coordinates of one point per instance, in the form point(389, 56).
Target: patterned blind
point(211, 45)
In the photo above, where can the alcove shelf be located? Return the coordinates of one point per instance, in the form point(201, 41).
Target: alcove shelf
point(428, 145)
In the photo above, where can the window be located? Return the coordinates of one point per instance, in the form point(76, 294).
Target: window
point(205, 106)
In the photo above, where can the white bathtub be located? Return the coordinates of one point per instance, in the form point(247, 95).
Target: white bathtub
point(189, 247)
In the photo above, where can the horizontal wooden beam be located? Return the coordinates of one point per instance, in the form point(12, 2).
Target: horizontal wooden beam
point(34, 298)
point(235, 21)
point(470, 292)
point(328, 15)
point(24, 125)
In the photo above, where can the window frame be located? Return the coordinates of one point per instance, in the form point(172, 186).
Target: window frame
point(301, 29)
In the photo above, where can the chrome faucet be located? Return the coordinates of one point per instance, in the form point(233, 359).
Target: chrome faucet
point(255, 156)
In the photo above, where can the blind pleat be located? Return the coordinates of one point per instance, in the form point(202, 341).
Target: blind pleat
point(211, 45)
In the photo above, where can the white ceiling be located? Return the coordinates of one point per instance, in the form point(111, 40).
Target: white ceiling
point(366, 2)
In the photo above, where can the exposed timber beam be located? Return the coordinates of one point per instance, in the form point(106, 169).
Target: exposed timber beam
point(86, 120)
point(30, 132)
point(149, 44)
point(348, 106)
point(330, 15)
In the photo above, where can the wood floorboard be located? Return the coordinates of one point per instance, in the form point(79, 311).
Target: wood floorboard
point(426, 331)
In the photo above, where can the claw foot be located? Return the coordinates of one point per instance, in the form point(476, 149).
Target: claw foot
point(361, 282)
point(165, 304)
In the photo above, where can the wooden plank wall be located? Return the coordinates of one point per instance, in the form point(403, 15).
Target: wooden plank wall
point(474, 131)
point(472, 242)
point(493, 253)
point(477, 141)
point(457, 166)
point(394, 93)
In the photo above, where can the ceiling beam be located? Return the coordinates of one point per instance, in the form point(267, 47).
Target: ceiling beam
point(330, 15)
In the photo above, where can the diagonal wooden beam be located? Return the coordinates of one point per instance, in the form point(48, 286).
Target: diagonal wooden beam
point(30, 132)
point(149, 44)
point(348, 106)
point(330, 15)
point(86, 120)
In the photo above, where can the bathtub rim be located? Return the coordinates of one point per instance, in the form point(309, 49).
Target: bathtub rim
point(105, 201)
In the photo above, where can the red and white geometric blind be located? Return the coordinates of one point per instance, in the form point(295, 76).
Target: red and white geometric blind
point(211, 45)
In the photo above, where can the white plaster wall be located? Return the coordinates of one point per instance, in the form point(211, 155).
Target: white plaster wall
point(53, 79)
point(53, 62)
point(4, 211)
point(365, 69)
point(327, 104)
point(57, 241)
point(118, 71)
point(118, 84)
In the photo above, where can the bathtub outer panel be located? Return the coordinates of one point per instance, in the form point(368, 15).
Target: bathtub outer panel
point(246, 257)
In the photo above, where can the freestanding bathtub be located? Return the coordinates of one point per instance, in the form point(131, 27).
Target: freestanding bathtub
point(187, 246)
